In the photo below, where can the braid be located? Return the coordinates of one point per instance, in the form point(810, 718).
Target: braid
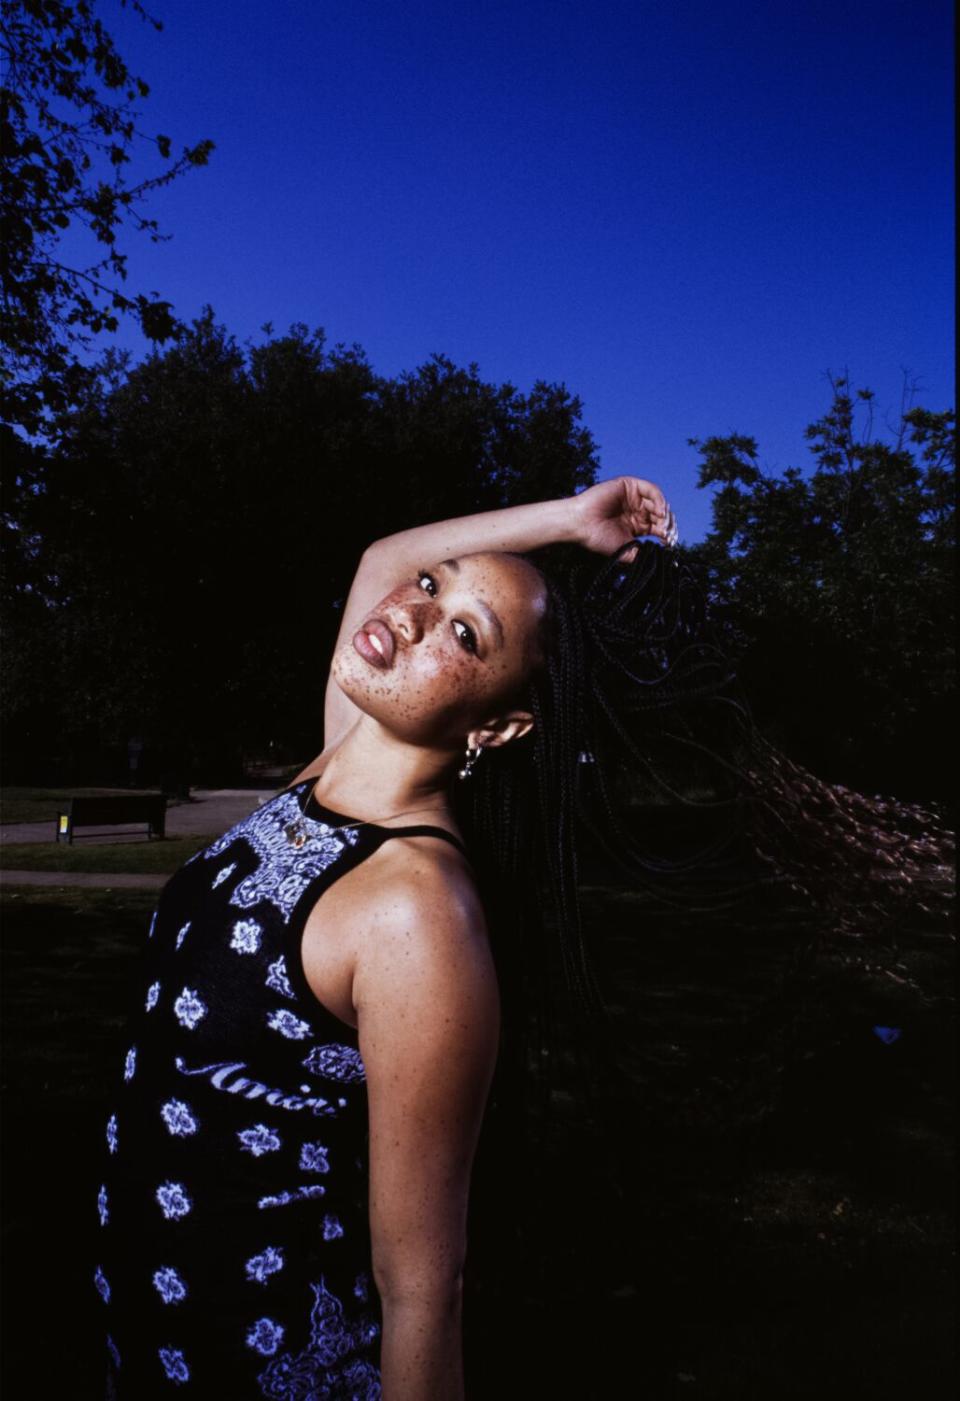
point(632, 697)
point(634, 701)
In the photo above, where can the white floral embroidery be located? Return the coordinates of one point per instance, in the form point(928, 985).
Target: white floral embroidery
point(335, 1062)
point(246, 936)
point(183, 932)
point(112, 1133)
point(331, 1228)
point(169, 1285)
point(278, 1199)
point(103, 1288)
point(130, 1064)
point(265, 1336)
point(259, 1268)
point(153, 924)
point(179, 1118)
point(277, 978)
point(259, 1140)
point(173, 1199)
point(288, 1025)
point(174, 1364)
point(332, 1363)
point(283, 1198)
point(189, 1008)
point(283, 872)
point(221, 875)
point(153, 992)
point(102, 1205)
point(313, 1158)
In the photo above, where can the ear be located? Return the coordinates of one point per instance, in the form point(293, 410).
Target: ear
point(514, 725)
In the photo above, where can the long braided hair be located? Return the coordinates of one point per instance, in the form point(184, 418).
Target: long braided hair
point(633, 698)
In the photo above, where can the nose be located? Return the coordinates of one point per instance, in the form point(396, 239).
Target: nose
point(408, 620)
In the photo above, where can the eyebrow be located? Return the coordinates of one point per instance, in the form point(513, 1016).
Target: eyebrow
point(483, 608)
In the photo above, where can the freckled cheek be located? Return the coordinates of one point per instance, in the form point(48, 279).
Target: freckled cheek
point(435, 673)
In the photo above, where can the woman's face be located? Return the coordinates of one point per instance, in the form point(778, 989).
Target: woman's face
point(462, 639)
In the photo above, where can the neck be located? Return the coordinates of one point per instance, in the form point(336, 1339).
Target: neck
point(370, 773)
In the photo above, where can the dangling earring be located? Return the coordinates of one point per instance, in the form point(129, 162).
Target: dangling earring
point(473, 754)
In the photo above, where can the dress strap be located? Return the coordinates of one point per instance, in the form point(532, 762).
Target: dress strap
point(424, 829)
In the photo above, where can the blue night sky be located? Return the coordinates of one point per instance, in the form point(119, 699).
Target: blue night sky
point(685, 212)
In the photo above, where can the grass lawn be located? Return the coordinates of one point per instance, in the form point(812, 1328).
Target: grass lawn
point(149, 856)
point(41, 804)
point(742, 1225)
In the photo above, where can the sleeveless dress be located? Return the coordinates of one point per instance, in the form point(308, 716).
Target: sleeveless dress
point(234, 1249)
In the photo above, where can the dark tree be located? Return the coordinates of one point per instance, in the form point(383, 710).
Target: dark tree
point(187, 545)
point(68, 134)
point(834, 590)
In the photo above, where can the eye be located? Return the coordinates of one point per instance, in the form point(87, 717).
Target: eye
point(467, 637)
point(471, 645)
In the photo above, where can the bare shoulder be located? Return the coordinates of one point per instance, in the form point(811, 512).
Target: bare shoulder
point(425, 986)
point(428, 1008)
point(423, 917)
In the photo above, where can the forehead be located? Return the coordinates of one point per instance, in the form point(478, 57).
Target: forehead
point(495, 569)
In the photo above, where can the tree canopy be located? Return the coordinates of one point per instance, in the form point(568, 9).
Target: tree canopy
point(68, 133)
point(176, 563)
point(834, 590)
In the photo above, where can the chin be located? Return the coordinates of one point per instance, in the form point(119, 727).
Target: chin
point(358, 682)
point(423, 723)
point(345, 671)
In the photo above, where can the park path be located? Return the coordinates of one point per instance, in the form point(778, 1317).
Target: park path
point(102, 880)
point(210, 812)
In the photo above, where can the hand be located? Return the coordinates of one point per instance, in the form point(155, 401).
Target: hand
point(613, 512)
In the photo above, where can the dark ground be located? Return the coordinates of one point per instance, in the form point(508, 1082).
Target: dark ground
point(764, 1227)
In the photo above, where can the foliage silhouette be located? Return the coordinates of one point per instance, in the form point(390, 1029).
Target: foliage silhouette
point(834, 591)
point(67, 134)
point(177, 563)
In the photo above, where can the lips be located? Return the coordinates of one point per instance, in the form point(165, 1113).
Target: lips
point(375, 628)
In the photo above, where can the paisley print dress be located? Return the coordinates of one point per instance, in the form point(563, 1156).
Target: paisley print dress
point(234, 1248)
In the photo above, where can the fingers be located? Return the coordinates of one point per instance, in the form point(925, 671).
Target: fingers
point(651, 498)
point(666, 527)
point(665, 524)
point(662, 521)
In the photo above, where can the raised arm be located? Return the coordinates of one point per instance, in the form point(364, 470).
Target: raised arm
point(600, 519)
point(428, 1016)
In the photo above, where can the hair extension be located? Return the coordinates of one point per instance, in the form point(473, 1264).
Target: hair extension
point(633, 696)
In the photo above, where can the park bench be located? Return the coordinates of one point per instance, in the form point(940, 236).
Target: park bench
point(123, 809)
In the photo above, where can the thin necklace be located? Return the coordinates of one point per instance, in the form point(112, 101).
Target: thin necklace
point(296, 831)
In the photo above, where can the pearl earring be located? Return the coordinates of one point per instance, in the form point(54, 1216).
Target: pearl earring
point(473, 753)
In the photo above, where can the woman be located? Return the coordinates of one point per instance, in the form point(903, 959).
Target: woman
point(288, 1164)
point(264, 1237)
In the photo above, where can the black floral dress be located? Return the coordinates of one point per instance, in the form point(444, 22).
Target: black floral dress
point(234, 1257)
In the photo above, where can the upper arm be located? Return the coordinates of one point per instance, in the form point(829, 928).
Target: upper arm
point(373, 579)
point(428, 1015)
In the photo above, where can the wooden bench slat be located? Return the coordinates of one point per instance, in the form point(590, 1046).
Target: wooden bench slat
point(92, 811)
